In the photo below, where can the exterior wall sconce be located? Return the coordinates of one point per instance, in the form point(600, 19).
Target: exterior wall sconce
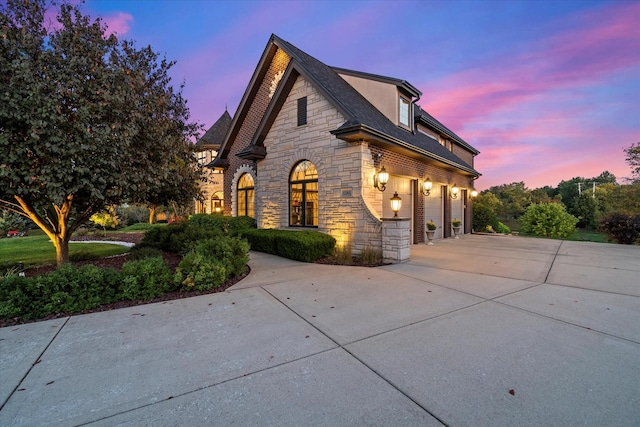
point(396, 203)
point(380, 179)
point(426, 187)
point(474, 194)
point(454, 191)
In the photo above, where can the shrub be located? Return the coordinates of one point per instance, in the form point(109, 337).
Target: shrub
point(142, 252)
point(106, 218)
point(218, 221)
point(306, 245)
point(66, 290)
point(145, 279)
point(501, 228)
point(548, 220)
point(83, 255)
point(226, 224)
point(232, 252)
point(484, 217)
point(200, 272)
point(621, 228)
point(178, 238)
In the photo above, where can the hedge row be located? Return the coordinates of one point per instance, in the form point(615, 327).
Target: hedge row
point(307, 246)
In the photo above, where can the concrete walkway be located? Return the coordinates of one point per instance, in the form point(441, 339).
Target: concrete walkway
point(480, 331)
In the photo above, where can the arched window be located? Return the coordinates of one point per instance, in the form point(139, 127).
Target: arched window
point(245, 195)
point(303, 195)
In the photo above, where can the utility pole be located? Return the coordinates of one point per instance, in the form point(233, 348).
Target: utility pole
point(579, 189)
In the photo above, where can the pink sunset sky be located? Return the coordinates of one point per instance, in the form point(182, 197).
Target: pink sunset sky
point(545, 90)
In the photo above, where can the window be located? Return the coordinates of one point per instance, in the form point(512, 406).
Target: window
point(302, 111)
point(202, 158)
point(245, 195)
point(303, 195)
point(403, 112)
point(217, 203)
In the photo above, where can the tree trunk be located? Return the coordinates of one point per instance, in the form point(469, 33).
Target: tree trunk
point(152, 214)
point(62, 249)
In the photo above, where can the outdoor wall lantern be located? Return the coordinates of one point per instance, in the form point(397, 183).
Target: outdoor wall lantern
point(396, 203)
point(474, 194)
point(426, 187)
point(454, 191)
point(380, 179)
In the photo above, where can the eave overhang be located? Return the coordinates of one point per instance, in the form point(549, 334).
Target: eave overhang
point(359, 132)
point(253, 152)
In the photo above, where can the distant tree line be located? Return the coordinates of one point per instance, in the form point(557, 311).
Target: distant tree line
point(593, 202)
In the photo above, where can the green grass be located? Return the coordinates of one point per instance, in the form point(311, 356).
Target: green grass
point(38, 250)
point(581, 235)
point(588, 236)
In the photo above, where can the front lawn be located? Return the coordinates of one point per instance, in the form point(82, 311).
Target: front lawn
point(38, 250)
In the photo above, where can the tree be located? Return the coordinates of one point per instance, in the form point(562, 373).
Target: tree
point(515, 198)
point(86, 120)
point(633, 159)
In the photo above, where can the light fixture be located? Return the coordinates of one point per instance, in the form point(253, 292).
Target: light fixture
point(426, 187)
point(396, 203)
point(474, 194)
point(380, 179)
point(454, 191)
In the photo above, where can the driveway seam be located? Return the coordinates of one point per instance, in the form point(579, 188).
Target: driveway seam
point(34, 363)
point(567, 322)
point(553, 261)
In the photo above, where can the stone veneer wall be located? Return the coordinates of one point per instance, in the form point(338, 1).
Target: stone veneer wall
point(343, 212)
point(247, 130)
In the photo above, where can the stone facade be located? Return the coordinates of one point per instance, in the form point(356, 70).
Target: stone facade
point(266, 141)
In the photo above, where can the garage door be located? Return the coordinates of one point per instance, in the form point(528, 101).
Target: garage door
point(433, 209)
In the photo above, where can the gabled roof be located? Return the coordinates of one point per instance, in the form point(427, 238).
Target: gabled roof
point(216, 133)
point(431, 122)
point(363, 120)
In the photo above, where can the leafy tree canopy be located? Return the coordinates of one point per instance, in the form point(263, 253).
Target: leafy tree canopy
point(633, 159)
point(86, 120)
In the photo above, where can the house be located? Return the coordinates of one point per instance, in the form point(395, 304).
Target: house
point(310, 144)
point(206, 149)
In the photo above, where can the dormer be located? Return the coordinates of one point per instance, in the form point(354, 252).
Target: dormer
point(392, 97)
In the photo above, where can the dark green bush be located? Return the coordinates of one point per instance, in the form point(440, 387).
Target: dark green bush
point(178, 238)
point(142, 252)
point(226, 224)
point(200, 272)
point(306, 245)
point(145, 279)
point(482, 217)
point(232, 252)
point(67, 290)
point(83, 255)
point(621, 228)
point(548, 220)
point(218, 221)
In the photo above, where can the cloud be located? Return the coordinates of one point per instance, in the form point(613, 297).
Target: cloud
point(548, 109)
point(118, 23)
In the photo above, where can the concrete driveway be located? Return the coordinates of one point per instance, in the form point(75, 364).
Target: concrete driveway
point(480, 331)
